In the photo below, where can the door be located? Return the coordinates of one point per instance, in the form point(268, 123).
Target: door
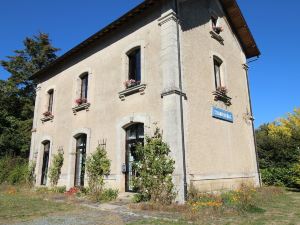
point(45, 163)
point(80, 161)
point(134, 136)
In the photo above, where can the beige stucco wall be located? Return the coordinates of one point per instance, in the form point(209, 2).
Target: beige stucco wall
point(219, 154)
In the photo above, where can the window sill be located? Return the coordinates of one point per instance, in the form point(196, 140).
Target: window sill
point(216, 36)
point(220, 96)
point(84, 106)
point(132, 90)
point(47, 118)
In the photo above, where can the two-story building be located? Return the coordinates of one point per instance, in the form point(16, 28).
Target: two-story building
point(180, 65)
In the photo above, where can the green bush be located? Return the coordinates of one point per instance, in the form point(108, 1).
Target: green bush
point(55, 169)
point(278, 176)
point(13, 170)
point(109, 194)
point(154, 167)
point(97, 166)
point(58, 189)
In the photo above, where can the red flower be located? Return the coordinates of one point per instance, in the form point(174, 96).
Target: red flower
point(72, 191)
point(80, 101)
point(47, 113)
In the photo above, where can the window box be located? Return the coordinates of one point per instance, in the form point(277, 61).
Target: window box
point(47, 118)
point(217, 36)
point(138, 88)
point(221, 95)
point(80, 107)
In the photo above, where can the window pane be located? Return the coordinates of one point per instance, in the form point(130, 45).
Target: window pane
point(217, 69)
point(135, 65)
point(84, 87)
point(50, 104)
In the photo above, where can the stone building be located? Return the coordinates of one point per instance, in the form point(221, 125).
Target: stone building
point(181, 64)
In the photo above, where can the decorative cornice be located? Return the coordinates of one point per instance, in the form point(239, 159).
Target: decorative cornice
point(173, 91)
point(170, 16)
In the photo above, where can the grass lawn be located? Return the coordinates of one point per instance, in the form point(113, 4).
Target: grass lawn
point(18, 206)
point(281, 209)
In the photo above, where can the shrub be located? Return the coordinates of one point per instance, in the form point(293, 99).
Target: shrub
point(13, 170)
point(30, 174)
point(55, 170)
point(109, 194)
point(154, 168)
point(97, 166)
point(278, 176)
point(61, 189)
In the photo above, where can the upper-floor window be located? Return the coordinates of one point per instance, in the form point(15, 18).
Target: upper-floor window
point(84, 86)
point(134, 64)
point(215, 21)
point(50, 101)
point(218, 72)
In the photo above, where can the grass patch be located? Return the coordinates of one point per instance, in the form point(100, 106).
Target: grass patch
point(19, 204)
point(267, 205)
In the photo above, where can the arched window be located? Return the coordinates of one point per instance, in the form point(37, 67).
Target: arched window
point(134, 65)
point(218, 72)
point(134, 136)
point(80, 160)
point(45, 163)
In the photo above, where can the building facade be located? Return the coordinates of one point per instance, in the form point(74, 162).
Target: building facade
point(179, 65)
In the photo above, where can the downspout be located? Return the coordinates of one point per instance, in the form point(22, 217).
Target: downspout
point(181, 105)
point(246, 67)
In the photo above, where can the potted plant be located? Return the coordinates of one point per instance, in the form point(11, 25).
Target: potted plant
point(80, 101)
point(218, 29)
point(47, 114)
point(223, 90)
point(131, 83)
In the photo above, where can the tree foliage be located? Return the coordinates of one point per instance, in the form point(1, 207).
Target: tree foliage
point(154, 168)
point(18, 91)
point(279, 150)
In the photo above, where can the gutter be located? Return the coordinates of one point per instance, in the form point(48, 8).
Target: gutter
point(246, 67)
point(181, 106)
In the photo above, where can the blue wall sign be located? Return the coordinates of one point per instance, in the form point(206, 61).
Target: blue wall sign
point(222, 114)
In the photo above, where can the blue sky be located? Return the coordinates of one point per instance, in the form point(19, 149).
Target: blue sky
point(274, 78)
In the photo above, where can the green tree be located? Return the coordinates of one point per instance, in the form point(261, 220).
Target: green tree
point(279, 150)
point(17, 93)
point(55, 169)
point(154, 168)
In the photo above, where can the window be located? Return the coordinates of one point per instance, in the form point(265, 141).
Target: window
point(134, 71)
point(46, 150)
point(218, 71)
point(50, 101)
point(80, 160)
point(84, 86)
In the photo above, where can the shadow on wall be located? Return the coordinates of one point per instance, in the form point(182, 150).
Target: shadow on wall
point(106, 40)
point(195, 13)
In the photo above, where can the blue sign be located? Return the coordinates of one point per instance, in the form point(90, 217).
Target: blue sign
point(222, 114)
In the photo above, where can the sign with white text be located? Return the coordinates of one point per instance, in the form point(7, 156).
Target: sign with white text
point(222, 114)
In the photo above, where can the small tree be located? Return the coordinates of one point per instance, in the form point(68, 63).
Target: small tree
point(55, 169)
point(30, 175)
point(97, 166)
point(154, 168)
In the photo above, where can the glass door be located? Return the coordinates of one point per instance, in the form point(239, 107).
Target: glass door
point(80, 160)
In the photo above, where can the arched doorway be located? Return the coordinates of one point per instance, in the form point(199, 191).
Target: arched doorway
point(80, 160)
point(134, 136)
point(46, 150)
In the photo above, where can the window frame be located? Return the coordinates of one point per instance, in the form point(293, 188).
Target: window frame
point(50, 100)
point(84, 85)
point(132, 56)
point(218, 63)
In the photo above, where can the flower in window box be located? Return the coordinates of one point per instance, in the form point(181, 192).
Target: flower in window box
point(223, 90)
point(80, 101)
point(217, 29)
point(46, 114)
point(131, 83)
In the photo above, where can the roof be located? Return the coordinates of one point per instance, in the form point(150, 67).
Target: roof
point(230, 7)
